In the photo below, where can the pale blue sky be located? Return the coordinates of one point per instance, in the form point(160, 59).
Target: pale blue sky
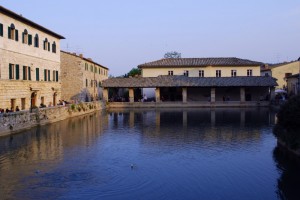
point(120, 34)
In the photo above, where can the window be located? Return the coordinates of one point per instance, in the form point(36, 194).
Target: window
point(170, 73)
point(99, 84)
point(186, 73)
point(233, 73)
point(53, 75)
point(49, 75)
point(36, 40)
point(25, 72)
point(14, 72)
point(218, 73)
point(37, 74)
point(25, 37)
point(13, 33)
point(1, 30)
point(86, 82)
point(45, 74)
point(91, 68)
point(29, 39)
point(249, 72)
point(53, 47)
point(91, 83)
point(23, 103)
point(46, 45)
point(56, 76)
point(201, 73)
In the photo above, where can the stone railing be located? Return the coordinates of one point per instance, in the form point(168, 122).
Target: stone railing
point(12, 122)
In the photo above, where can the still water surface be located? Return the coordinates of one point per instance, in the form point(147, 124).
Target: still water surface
point(150, 154)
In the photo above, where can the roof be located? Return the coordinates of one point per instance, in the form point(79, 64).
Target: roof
point(27, 21)
point(83, 58)
point(293, 76)
point(203, 62)
point(271, 66)
point(184, 81)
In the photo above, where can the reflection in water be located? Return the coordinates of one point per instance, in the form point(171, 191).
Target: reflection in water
point(175, 154)
point(289, 167)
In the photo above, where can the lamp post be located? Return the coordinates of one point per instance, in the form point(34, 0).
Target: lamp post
point(299, 77)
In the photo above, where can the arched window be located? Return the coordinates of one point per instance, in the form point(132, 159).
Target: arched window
point(53, 47)
point(36, 40)
point(25, 37)
point(46, 45)
point(13, 33)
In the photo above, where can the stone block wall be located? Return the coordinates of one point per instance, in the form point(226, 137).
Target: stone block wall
point(17, 121)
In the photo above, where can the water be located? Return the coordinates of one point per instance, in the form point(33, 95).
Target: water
point(150, 154)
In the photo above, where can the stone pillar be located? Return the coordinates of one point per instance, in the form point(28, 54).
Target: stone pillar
point(157, 94)
point(131, 95)
point(184, 95)
point(272, 93)
point(105, 94)
point(213, 95)
point(242, 95)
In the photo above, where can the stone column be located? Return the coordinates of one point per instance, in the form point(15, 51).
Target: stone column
point(272, 93)
point(157, 94)
point(184, 95)
point(213, 95)
point(105, 94)
point(131, 95)
point(242, 95)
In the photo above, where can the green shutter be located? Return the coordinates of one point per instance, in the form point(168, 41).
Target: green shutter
point(29, 73)
point(17, 72)
point(49, 75)
point(37, 74)
point(23, 37)
point(1, 29)
point(44, 45)
point(45, 75)
point(17, 34)
point(29, 39)
point(48, 46)
point(24, 72)
point(56, 76)
point(9, 33)
point(10, 71)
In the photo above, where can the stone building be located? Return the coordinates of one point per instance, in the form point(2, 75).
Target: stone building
point(29, 63)
point(293, 84)
point(281, 71)
point(200, 67)
point(81, 77)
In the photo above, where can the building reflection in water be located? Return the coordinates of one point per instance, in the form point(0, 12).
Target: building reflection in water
point(42, 148)
point(288, 165)
point(212, 125)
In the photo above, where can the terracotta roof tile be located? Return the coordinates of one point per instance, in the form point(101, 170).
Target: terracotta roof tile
point(186, 62)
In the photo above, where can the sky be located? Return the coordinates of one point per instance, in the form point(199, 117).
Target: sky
point(121, 34)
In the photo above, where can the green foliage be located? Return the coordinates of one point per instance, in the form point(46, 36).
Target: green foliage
point(133, 72)
point(288, 126)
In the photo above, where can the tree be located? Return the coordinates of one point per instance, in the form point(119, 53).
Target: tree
point(172, 54)
point(133, 72)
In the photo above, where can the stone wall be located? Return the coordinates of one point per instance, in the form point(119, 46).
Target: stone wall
point(17, 121)
point(81, 77)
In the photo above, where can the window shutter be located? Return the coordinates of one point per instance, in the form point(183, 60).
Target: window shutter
point(44, 45)
point(10, 71)
point(9, 33)
point(23, 37)
point(48, 46)
point(17, 35)
point(49, 75)
point(29, 73)
point(37, 74)
point(29, 39)
point(24, 72)
point(1, 29)
point(17, 72)
point(45, 75)
point(56, 76)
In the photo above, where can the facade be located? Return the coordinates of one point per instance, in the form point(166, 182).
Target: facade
point(29, 63)
point(282, 71)
point(81, 78)
point(293, 84)
point(199, 67)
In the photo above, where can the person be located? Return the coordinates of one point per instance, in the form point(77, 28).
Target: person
point(17, 109)
point(144, 98)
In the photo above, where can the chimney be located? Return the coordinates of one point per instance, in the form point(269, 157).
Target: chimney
point(81, 55)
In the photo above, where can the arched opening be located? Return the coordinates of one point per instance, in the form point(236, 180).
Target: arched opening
point(33, 100)
point(54, 99)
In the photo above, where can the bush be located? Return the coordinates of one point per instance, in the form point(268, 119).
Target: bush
point(288, 125)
